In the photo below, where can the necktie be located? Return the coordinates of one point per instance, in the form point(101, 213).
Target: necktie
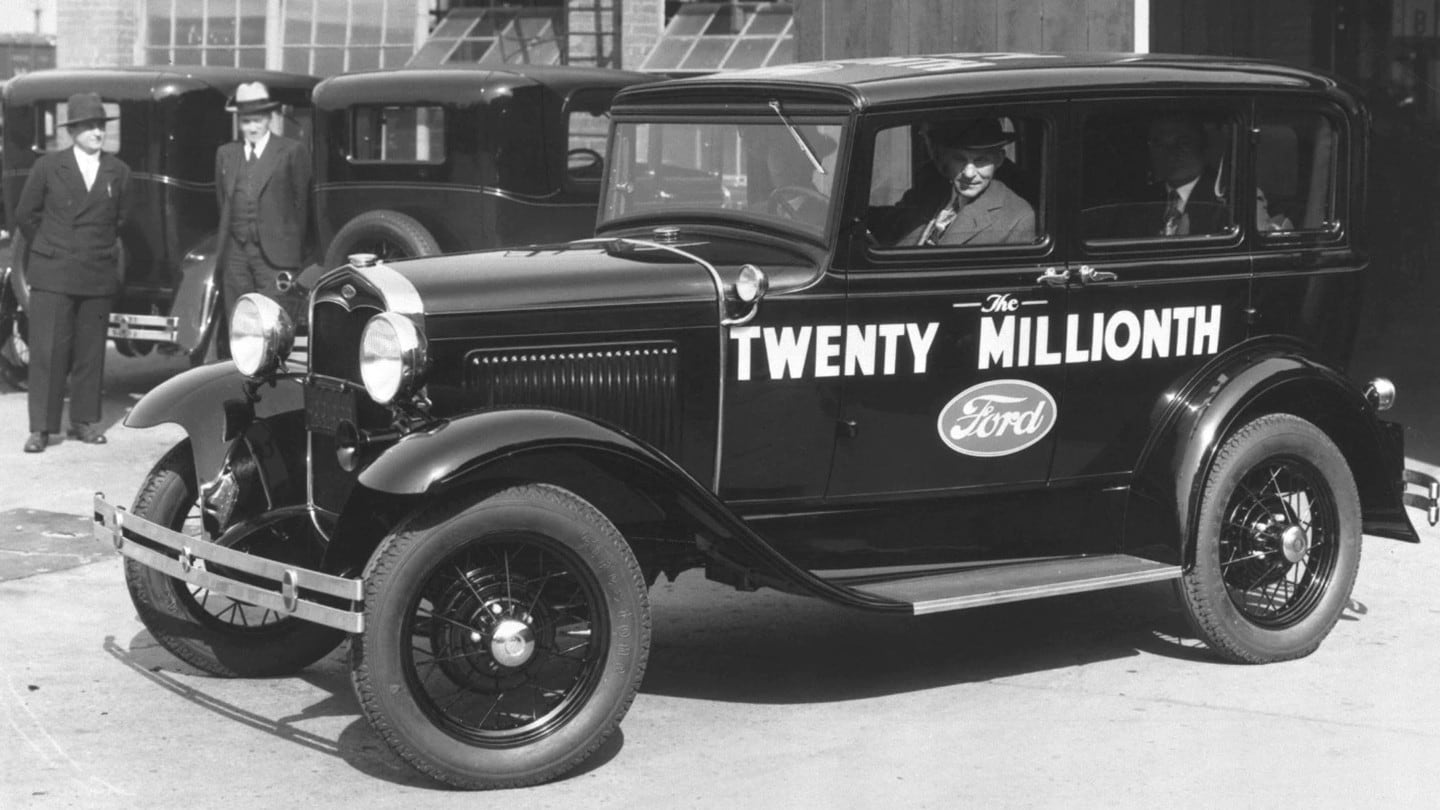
point(940, 223)
point(1174, 216)
point(249, 152)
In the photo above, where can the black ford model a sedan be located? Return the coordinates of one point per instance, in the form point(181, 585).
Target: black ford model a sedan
point(906, 334)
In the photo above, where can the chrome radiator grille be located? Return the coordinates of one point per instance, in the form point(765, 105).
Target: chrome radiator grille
point(633, 386)
point(334, 349)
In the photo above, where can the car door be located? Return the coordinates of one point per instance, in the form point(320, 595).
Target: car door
point(1149, 304)
point(945, 393)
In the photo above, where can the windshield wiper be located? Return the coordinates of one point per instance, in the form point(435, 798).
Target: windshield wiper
point(799, 139)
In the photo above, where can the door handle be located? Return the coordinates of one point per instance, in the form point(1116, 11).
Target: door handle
point(1053, 277)
point(1089, 274)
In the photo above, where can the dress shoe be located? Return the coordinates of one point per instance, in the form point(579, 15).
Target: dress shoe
point(87, 432)
point(37, 442)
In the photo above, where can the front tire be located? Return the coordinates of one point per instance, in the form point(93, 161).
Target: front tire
point(217, 634)
point(1277, 543)
point(504, 640)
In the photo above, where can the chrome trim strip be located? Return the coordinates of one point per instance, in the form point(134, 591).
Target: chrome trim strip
point(488, 191)
point(1040, 591)
point(161, 328)
point(397, 292)
point(720, 324)
point(194, 555)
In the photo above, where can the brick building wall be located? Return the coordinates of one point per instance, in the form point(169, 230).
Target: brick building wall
point(90, 33)
point(641, 23)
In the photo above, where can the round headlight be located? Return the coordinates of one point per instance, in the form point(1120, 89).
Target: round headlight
point(261, 335)
point(751, 284)
point(392, 352)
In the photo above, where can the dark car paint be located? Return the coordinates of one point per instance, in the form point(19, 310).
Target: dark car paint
point(811, 464)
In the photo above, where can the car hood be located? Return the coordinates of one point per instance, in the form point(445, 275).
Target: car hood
point(609, 274)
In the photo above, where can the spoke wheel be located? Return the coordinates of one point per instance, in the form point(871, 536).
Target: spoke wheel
point(1277, 544)
point(504, 639)
point(213, 632)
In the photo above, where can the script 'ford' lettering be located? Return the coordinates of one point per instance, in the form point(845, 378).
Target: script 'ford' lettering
point(996, 418)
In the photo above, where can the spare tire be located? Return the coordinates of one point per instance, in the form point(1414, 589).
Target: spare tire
point(387, 234)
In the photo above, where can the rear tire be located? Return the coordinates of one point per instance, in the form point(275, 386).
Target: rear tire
point(1277, 543)
point(387, 234)
point(504, 640)
point(217, 634)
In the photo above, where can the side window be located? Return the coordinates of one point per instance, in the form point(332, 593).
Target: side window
point(957, 182)
point(54, 136)
point(1158, 174)
point(397, 134)
point(585, 145)
point(1297, 158)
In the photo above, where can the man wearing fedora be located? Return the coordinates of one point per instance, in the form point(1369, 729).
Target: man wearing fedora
point(71, 210)
point(978, 209)
point(262, 183)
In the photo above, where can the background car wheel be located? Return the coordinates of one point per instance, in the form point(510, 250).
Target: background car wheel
point(14, 326)
point(504, 640)
point(215, 633)
point(1277, 543)
point(387, 234)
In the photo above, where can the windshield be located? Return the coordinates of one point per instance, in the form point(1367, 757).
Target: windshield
point(755, 171)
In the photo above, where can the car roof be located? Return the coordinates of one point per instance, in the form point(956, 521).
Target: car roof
point(463, 83)
point(147, 82)
point(884, 81)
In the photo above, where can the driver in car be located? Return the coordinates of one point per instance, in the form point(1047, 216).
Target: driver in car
point(980, 210)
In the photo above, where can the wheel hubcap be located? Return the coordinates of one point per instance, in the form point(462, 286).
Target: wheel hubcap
point(513, 643)
point(1294, 543)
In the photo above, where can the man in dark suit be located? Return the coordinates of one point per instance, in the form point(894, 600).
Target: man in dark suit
point(977, 208)
point(71, 210)
point(262, 183)
point(1184, 184)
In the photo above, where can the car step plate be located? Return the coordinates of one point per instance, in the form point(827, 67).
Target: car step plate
point(1016, 581)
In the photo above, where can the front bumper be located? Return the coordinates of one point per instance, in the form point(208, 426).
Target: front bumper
point(291, 591)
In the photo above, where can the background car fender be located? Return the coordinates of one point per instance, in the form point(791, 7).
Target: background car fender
point(1271, 376)
point(212, 405)
point(197, 299)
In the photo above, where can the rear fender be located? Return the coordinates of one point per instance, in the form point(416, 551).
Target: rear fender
point(212, 404)
point(1255, 379)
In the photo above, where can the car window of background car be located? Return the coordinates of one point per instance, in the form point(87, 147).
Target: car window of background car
point(397, 134)
point(54, 137)
point(1124, 196)
point(1297, 155)
point(730, 167)
point(585, 149)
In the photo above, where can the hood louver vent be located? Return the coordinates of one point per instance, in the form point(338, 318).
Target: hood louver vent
point(633, 386)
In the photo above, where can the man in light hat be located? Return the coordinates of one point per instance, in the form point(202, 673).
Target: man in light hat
point(980, 209)
point(262, 183)
point(71, 211)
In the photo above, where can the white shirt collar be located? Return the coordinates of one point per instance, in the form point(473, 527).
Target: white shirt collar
point(260, 145)
point(1185, 191)
point(85, 158)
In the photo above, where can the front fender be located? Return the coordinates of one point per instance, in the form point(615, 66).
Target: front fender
point(195, 306)
point(1275, 377)
point(420, 462)
point(212, 405)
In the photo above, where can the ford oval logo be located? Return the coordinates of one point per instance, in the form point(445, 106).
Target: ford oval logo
point(997, 418)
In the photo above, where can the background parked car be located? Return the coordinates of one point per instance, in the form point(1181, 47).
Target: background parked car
point(437, 160)
point(168, 124)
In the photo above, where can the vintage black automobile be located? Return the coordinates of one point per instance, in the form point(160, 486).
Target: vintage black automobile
point(168, 124)
point(752, 369)
point(439, 160)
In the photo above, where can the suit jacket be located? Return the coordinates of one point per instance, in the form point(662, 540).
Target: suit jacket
point(997, 217)
point(1205, 211)
point(283, 203)
point(73, 234)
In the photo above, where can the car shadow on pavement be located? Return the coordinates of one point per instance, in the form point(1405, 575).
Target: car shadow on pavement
point(791, 650)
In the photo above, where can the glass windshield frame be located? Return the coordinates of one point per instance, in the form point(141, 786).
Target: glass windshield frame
point(729, 169)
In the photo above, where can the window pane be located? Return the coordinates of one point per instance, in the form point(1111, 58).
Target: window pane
point(689, 20)
point(453, 26)
point(252, 57)
point(221, 31)
point(769, 20)
point(329, 62)
point(668, 53)
point(1295, 172)
point(395, 57)
point(749, 53)
point(364, 34)
point(224, 57)
point(297, 31)
point(297, 60)
point(1160, 174)
point(471, 50)
point(398, 134)
point(188, 56)
point(364, 59)
point(708, 53)
point(158, 25)
point(433, 53)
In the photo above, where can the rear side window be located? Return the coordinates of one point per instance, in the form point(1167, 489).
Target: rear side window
point(1158, 174)
point(1296, 168)
point(397, 135)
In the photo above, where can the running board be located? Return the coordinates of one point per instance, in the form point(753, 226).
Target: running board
point(1015, 581)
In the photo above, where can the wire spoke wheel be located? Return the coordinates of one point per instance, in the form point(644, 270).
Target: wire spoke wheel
point(1277, 542)
point(1278, 548)
point(506, 640)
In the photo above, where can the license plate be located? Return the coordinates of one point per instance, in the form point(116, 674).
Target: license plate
point(326, 408)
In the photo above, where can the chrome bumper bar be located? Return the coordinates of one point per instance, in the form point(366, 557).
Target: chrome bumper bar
point(153, 545)
point(1430, 501)
point(159, 328)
